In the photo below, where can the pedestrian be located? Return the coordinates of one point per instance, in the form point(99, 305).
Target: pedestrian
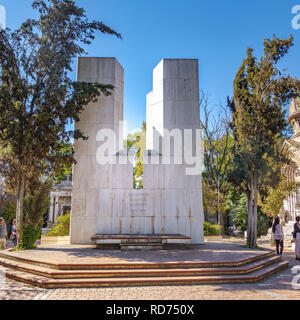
point(3, 234)
point(296, 235)
point(14, 233)
point(278, 236)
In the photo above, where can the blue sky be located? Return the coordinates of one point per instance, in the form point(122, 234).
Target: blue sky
point(216, 32)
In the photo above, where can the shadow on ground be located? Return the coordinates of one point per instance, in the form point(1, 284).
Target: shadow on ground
point(211, 251)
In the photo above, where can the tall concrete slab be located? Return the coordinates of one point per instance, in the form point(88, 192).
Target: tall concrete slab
point(98, 189)
point(173, 120)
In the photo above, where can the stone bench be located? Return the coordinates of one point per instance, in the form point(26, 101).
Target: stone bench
point(138, 241)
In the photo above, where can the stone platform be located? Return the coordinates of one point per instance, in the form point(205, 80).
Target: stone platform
point(83, 266)
point(131, 242)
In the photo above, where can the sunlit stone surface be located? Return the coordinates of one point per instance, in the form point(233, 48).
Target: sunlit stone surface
point(103, 199)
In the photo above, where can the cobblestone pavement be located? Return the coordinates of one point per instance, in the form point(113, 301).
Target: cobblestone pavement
point(277, 287)
point(12, 290)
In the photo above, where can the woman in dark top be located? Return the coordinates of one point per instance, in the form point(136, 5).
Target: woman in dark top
point(14, 233)
point(297, 237)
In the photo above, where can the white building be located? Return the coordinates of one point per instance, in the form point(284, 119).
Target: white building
point(292, 205)
point(60, 199)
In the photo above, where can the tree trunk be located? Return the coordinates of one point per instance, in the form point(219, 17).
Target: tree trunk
point(252, 212)
point(220, 215)
point(254, 235)
point(20, 209)
point(221, 221)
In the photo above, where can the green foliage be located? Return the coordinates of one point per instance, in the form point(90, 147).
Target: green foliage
point(239, 211)
point(261, 91)
point(38, 99)
point(9, 211)
point(238, 206)
point(37, 202)
point(136, 143)
point(62, 228)
point(5, 195)
point(264, 223)
point(9, 214)
point(273, 202)
point(210, 199)
point(66, 168)
point(211, 229)
point(30, 236)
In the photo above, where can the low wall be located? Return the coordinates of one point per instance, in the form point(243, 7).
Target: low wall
point(46, 240)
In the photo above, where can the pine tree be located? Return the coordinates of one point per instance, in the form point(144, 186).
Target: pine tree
point(261, 91)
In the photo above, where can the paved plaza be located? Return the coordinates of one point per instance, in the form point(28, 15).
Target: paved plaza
point(87, 254)
point(276, 287)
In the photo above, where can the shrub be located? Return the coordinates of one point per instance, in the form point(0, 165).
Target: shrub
point(264, 223)
point(62, 228)
point(30, 235)
point(239, 211)
point(212, 229)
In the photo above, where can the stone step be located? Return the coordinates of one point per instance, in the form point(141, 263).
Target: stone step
point(142, 246)
point(73, 274)
point(135, 265)
point(44, 282)
point(141, 241)
point(117, 240)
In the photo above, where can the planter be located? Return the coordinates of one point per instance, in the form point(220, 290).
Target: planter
point(45, 240)
point(212, 238)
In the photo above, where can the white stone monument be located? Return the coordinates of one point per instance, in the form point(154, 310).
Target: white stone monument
point(103, 198)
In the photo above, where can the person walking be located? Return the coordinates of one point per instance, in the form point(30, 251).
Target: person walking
point(278, 236)
point(3, 234)
point(296, 235)
point(14, 233)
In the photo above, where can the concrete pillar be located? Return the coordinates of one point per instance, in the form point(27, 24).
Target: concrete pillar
point(51, 210)
point(99, 190)
point(172, 108)
point(56, 208)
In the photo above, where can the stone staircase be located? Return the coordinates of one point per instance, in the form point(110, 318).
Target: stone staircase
point(135, 242)
point(50, 275)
